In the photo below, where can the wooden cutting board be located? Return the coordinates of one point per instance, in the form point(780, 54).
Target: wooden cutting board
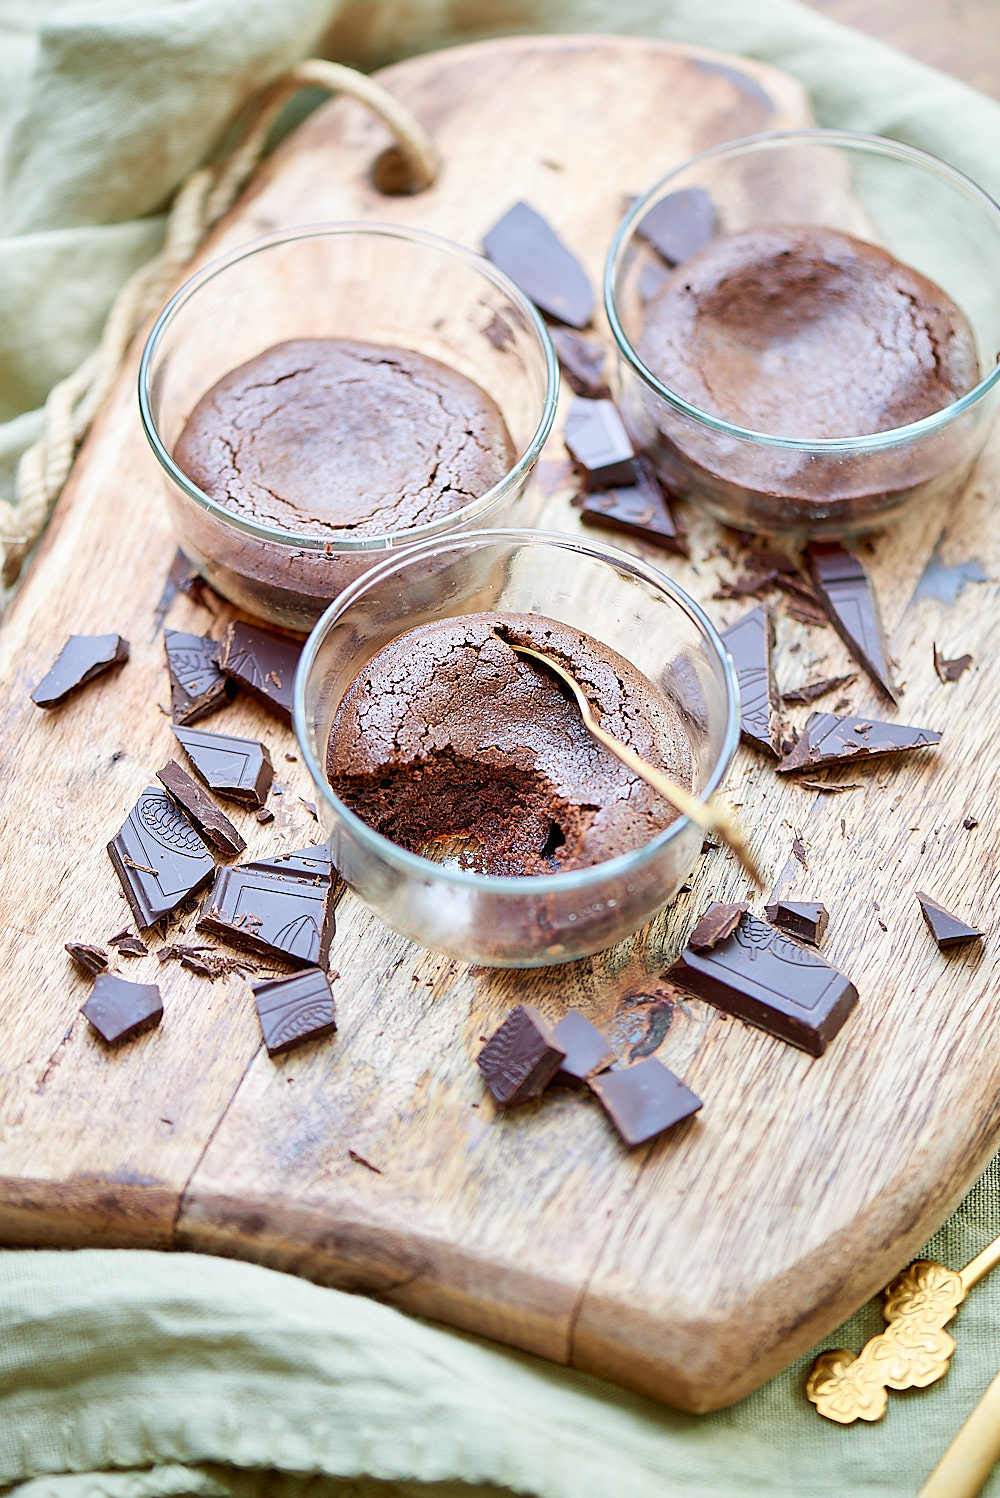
point(692, 1268)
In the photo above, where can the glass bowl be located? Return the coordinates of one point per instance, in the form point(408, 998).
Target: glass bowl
point(927, 215)
point(375, 283)
point(527, 921)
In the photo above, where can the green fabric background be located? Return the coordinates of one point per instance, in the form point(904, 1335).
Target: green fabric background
point(133, 1374)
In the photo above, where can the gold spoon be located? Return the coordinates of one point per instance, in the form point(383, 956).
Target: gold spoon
point(710, 816)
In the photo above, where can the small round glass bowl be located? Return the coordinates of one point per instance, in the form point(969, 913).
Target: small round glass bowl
point(374, 283)
point(529, 921)
point(927, 215)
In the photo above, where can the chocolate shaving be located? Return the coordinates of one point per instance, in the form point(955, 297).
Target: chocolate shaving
point(810, 690)
point(950, 670)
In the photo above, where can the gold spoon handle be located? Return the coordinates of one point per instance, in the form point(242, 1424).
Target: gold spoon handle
point(969, 1459)
point(980, 1265)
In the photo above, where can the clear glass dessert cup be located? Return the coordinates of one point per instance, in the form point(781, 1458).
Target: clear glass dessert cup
point(529, 921)
point(374, 283)
point(924, 213)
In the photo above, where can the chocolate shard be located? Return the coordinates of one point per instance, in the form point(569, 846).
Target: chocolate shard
point(809, 691)
point(264, 664)
point(639, 510)
point(599, 445)
point(582, 363)
point(81, 659)
point(827, 739)
point(761, 976)
point(950, 670)
point(806, 919)
point(520, 1060)
point(239, 769)
point(846, 593)
point(159, 857)
point(211, 820)
point(716, 924)
point(587, 1050)
point(679, 224)
point(749, 642)
point(132, 946)
point(294, 1009)
point(643, 1100)
point(946, 929)
point(94, 959)
point(277, 907)
point(197, 685)
point(119, 1010)
point(527, 249)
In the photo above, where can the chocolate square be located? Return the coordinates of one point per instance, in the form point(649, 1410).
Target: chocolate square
point(294, 1009)
point(644, 1099)
point(520, 1060)
point(119, 1010)
point(159, 857)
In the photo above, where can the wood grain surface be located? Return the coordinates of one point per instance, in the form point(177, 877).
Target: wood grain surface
point(691, 1268)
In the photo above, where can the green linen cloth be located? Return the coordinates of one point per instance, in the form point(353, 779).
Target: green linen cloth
point(134, 1374)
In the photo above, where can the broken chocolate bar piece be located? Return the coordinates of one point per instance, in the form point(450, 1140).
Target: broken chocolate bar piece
point(717, 923)
point(587, 1050)
point(264, 664)
point(239, 769)
point(638, 510)
point(582, 363)
point(749, 642)
point(950, 670)
point(81, 659)
point(827, 739)
point(520, 1060)
point(806, 919)
point(599, 445)
point(197, 685)
point(94, 959)
point(846, 593)
point(294, 1009)
point(211, 820)
point(278, 907)
point(119, 1010)
point(761, 976)
point(528, 250)
point(946, 929)
point(679, 224)
point(644, 1099)
point(159, 857)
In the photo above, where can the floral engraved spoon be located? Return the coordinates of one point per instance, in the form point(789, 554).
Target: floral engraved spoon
point(912, 1352)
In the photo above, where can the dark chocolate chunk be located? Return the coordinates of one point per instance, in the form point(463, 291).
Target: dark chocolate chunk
point(827, 739)
point(587, 1050)
point(651, 279)
point(679, 224)
point(180, 579)
point(845, 591)
point(950, 670)
point(239, 769)
point(131, 946)
point(264, 664)
point(749, 642)
point(211, 820)
point(94, 959)
point(763, 977)
point(81, 659)
point(520, 1060)
point(278, 907)
point(528, 250)
point(265, 815)
point(599, 445)
point(499, 331)
point(644, 1099)
point(118, 1010)
point(197, 685)
point(294, 1009)
point(582, 362)
point(159, 857)
point(946, 929)
point(799, 850)
point(809, 691)
point(638, 510)
point(716, 924)
point(806, 919)
point(970, 822)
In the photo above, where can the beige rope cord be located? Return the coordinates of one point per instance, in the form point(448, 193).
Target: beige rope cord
point(200, 202)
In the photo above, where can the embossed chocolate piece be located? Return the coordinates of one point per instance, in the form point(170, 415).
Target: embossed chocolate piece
point(527, 249)
point(587, 1050)
point(599, 445)
point(718, 922)
point(159, 857)
point(211, 820)
point(94, 959)
point(643, 1100)
point(294, 1009)
point(520, 1060)
point(846, 593)
point(278, 907)
point(239, 769)
point(263, 663)
point(946, 929)
point(827, 739)
point(749, 642)
point(81, 659)
point(679, 224)
point(763, 977)
point(119, 1010)
point(582, 363)
point(638, 510)
point(197, 685)
point(806, 919)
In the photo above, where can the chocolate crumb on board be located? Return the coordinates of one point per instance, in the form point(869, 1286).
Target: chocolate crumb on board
point(950, 670)
point(970, 822)
point(360, 1160)
point(799, 850)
